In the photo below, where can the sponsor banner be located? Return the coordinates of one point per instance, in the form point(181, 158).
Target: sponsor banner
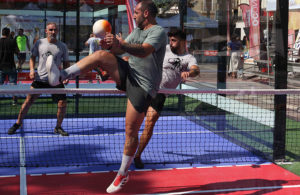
point(130, 5)
point(246, 14)
point(91, 2)
point(210, 52)
point(254, 36)
point(33, 26)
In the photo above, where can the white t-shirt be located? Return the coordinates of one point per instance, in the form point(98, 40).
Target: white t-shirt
point(94, 44)
point(173, 66)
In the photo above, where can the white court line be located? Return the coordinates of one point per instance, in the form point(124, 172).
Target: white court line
point(100, 171)
point(260, 115)
point(55, 173)
point(8, 176)
point(75, 173)
point(231, 190)
point(122, 134)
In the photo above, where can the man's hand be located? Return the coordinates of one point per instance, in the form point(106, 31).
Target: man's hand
point(113, 43)
point(185, 75)
point(31, 74)
point(65, 82)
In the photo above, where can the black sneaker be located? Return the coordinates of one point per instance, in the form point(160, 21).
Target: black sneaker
point(13, 129)
point(138, 163)
point(59, 130)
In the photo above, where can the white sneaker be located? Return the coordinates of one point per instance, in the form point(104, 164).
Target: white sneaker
point(118, 183)
point(53, 71)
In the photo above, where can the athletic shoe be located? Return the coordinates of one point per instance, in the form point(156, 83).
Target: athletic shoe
point(138, 163)
point(53, 71)
point(59, 130)
point(101, 76)
point(13, 129)
point(118, 183)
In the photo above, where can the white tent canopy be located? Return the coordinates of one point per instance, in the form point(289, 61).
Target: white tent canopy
point(293, 4)
point(194, 21)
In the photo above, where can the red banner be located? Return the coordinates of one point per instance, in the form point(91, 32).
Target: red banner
point(130, 5)
point(90, 2)
point(254, 35)
point(246, 14)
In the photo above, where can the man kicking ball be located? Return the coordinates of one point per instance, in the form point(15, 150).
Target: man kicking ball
point(139, 77)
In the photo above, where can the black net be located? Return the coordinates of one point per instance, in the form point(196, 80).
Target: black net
point(195, 127)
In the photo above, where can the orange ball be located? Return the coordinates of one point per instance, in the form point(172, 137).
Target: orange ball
point(100, 28)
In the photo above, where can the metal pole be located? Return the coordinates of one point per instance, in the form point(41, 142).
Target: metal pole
point(280, 101)
point(268, 51)
point(77, 52)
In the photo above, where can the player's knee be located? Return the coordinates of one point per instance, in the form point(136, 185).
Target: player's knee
point(62, 103)
point(131, 132)
point(101, 54)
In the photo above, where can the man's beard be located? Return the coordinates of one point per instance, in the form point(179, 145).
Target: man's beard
point(141, 23)
point(174, 49)
point(52, 37)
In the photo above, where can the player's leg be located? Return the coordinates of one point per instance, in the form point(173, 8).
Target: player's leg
point(133, 122)
point(153, 113)
point(151, 118)
point(21, 60)
point(30, 98)
point(103, 59)
point(61, 111)
point(13, 77)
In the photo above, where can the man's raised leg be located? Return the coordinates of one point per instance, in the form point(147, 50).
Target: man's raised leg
point(101, 58)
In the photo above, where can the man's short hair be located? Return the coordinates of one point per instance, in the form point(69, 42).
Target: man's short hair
point(150, 6)
point(177, 33)
point(5, 31)
point(51, 23)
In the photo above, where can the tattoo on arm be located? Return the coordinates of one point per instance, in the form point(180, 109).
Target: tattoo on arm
point(134, 49)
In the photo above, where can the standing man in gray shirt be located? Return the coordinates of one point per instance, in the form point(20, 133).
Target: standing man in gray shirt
point(52, 51)
point(139, 77)
point(178, 66)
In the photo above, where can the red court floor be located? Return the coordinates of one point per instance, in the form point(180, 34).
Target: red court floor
point(256, 179)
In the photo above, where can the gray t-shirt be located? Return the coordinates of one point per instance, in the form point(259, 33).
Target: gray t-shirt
point(42, 48)
point(173, 66)
point(147, 72)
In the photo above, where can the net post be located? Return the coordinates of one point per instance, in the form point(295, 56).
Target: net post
point(280, 101)
point(23, 179)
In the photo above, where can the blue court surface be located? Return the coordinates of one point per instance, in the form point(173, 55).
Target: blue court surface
point(175, 143)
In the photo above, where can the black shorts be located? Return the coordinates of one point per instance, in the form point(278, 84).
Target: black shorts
point(158, 102)
point(55, 97)
point(139, 98)
point(21, 56)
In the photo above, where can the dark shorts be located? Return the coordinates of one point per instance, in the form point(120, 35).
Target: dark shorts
point(12, 76)
point(55, 97)
point(158, 102)
point(139, 98)
point(22, 56)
